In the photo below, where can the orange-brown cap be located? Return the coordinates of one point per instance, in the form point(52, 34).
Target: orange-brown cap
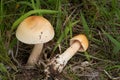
point(83, 42)
point(34, 30)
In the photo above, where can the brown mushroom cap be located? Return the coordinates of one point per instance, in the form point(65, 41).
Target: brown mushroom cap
point(83, 42)
point(34, 30)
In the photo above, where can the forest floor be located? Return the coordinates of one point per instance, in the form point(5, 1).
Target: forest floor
point(99, 20)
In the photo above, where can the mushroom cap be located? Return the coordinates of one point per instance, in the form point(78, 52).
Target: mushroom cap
point(82, 40)
point(35, 30)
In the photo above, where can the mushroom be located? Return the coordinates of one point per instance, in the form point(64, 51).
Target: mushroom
point(56, 65)
point(35, 30)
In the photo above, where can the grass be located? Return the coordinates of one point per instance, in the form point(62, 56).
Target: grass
point(30, 13)
point(98, 19)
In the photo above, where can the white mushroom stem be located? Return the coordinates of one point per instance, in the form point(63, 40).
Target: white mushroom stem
point(59, 61)
point(34, 56)
point(67, 55)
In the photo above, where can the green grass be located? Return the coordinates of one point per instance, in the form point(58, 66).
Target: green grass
point(5, 74)
point(30, 13)
point(99, 20)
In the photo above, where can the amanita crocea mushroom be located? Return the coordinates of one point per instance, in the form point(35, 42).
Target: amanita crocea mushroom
point(56, 65)
point(35, 30)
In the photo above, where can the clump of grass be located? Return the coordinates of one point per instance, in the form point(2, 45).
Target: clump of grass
point(5, 74)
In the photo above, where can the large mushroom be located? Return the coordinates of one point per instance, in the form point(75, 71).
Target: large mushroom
point(56, 65)
point(35, 30)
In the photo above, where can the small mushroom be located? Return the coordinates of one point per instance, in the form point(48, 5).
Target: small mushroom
point(56, 65)
point(35, 30)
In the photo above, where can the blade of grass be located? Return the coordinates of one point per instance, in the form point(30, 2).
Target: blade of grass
point(59, 20)
point(114, 4)
point(6, 59)
point(114, 41)
point(117, 12)
point(33, 4)
point(4, 55)
point(4, 70)
point(87, 56)
point(100, 59)
point(38, 6)
point(71, 27)
point(26, 3)
point(1, 17)
point(112, 67)
point(116, 49)
point(85, 26)
point(13, 42)
point(1, 11)
point(30, 13)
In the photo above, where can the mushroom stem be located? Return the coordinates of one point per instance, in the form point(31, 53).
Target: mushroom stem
point(70, 51)
point(57, 64)
point(33, 58)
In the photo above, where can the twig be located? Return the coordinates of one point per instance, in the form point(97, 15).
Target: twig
point(98, 58)
point(17, 49)
point(12, 54)
point(60, 48)
point(111, 77)
point(42, 63)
